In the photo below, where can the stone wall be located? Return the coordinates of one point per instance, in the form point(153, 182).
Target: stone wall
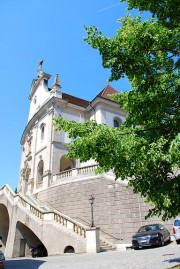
point(117, 211)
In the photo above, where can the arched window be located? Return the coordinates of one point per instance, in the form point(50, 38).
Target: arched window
point(117, 122)
point(40, 171)
point(42, 132)
point(42, 129)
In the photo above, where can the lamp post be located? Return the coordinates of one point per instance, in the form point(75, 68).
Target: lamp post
point(91, 200)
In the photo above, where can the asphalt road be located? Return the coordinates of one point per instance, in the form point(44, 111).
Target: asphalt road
point(151, 258)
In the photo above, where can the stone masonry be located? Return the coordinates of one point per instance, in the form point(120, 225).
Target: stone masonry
point(117, 211)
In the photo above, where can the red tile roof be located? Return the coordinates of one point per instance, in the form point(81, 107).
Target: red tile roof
point(106, 91)
point(81, 102)
point(74, 100)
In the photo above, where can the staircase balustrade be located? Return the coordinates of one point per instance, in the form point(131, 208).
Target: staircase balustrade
point(36, 212)
point(53, 215)
point(45, 215)
point(71, 224)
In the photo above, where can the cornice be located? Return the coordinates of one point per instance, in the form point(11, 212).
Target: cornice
point(44, 109)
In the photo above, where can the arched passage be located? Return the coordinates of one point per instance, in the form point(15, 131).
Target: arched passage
point(4, 225)
point(66, 164)
point(24, 238)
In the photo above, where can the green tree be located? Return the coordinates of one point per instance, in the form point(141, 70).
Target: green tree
point(146, 148)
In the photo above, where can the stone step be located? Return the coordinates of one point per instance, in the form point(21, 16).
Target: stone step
point(104, 246)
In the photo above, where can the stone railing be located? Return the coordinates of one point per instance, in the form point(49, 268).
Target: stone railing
point(54, 215)
point(76, 172)
point(87, 169)
point(65, 174)
point(71, 225)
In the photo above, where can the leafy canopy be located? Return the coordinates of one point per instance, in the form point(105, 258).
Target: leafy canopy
point(146, 147)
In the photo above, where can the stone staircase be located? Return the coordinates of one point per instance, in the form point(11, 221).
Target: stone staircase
point(105, 246)
point(44, 213)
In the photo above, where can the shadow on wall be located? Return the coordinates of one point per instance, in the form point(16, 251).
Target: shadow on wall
point(23, 263)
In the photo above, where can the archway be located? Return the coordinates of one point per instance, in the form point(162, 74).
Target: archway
point(69, 249)
point(4, 225)
point(66, 164)
point(24, 238)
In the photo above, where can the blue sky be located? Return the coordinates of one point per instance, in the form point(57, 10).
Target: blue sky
point(53, 31)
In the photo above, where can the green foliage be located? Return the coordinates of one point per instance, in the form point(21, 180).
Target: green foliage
point(167, 12)
point(146, 148)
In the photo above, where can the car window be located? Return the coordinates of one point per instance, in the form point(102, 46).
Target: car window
point(149, 228)
point(142, 229)
point(177, 222)
point(155, 228)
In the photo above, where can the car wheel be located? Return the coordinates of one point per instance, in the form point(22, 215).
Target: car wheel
point(162, 241)
point(178, 241)
point(136, 248)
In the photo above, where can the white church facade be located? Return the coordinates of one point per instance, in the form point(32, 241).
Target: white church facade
point(44, 149)
point(53, 204)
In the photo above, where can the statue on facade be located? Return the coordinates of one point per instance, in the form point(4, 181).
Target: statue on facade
point(40, 67)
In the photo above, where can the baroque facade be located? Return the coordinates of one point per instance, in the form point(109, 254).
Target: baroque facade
point(53, 189)
point(43, 148)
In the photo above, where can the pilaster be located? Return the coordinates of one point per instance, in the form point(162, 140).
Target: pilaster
point(93, 240)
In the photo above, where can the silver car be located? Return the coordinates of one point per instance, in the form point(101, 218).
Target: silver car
point(176, 230)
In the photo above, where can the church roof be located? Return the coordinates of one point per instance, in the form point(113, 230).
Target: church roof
point(106, 92)
point(82, 102)
point(74, 100)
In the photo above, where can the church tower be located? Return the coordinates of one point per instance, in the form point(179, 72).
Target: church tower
point(37, 137)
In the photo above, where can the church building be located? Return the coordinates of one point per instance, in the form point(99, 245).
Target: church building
point(44, 149)
point(62, 204)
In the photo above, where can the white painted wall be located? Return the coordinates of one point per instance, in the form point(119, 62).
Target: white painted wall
point(40, 96)
point(52, 147)
point(110, 116)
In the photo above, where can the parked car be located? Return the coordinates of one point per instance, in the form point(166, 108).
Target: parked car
point(176, 230)
point(151, 235)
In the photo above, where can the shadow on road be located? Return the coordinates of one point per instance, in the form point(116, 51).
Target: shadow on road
point(23, 264)
point(175, 260)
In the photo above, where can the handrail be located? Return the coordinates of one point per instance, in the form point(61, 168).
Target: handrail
point(102, 231)
point(47, 215)
point(111, 235)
